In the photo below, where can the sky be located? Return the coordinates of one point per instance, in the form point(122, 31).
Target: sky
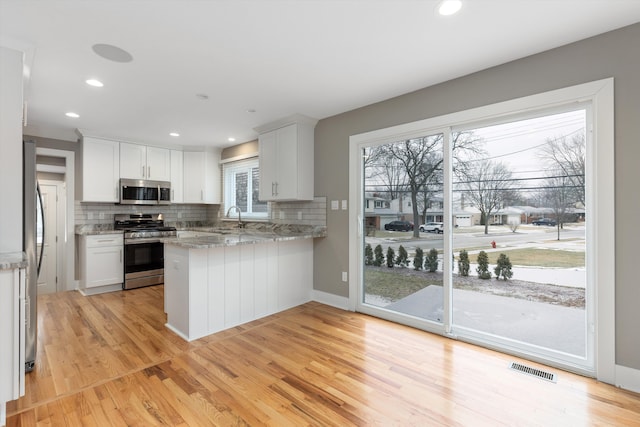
point(518, 143)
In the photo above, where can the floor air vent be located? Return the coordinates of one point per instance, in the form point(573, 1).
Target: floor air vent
point(534, 372)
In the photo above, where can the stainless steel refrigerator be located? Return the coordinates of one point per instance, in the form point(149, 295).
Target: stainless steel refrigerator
point(33, 240)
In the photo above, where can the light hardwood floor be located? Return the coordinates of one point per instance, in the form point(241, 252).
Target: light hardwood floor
point(109, 360)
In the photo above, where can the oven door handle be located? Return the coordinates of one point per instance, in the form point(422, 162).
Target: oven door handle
point(135, 241)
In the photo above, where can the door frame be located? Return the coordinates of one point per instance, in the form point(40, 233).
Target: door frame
point(67, 253)
point(60, 225)
point(601, 201)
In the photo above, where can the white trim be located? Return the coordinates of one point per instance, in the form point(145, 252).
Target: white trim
point(100, 289)
point(330, 299)
point(601, 205)
point(628, 378)
point(68, 243)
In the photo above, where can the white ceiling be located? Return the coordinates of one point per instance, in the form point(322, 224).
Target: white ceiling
point(277, 57)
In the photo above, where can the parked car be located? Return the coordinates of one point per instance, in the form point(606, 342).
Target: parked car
point(435, 227)
point(399, 226)
point(544, 221)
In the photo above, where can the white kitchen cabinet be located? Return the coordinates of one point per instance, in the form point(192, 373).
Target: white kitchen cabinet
point(12, 336)
point(100, 170)
point(101, 259)
point(142, 162)
point(202, 176)
point(177, 178)
point(286, 160)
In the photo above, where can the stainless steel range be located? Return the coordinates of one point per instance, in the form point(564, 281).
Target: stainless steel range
point(143, 251)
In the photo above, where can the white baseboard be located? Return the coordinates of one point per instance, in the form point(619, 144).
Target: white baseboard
point(628, 378)
point(100, 289)
point(330, 299)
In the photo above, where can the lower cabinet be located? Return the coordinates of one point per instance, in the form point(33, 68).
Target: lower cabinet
point(12, 336)
point(101, 263)
point(209, 290)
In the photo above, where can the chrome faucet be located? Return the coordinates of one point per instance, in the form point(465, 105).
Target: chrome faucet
point(240, 223)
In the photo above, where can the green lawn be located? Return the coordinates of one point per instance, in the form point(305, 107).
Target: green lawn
point(534, 257)
point(391, 286)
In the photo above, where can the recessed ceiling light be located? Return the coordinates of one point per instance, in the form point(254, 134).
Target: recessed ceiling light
point(112, 53)
point(174, 134)
point(231, 140)
point(72, 115)
point(449, 7)
point(94, 82)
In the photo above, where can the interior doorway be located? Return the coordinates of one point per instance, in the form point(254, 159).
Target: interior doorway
point(52, 193)
point(56, 168)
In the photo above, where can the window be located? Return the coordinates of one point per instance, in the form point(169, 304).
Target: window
point(241, 188)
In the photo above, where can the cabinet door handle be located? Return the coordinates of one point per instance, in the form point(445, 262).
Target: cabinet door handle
point(120, 256)
point(173, 194)
point(276, 188)
point(148, 171)
point(201, 195)
point(143, 171)
point(273, 193)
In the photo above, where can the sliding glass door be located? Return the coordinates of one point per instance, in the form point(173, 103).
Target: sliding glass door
point(484, 231)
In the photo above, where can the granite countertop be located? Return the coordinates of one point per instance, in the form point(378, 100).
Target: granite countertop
point(233, 237)
point(12, 260)
point(225, 234)
point(96, 229)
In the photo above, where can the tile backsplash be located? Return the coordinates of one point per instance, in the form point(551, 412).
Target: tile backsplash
point(103, 213)
point(305, 213)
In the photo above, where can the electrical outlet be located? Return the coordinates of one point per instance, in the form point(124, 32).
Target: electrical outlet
point(344, 205)
point(344, 276)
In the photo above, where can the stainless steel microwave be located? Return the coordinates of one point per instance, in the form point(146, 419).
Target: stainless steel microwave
point(144, 192)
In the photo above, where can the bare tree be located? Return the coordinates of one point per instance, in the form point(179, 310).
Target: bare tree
point(566, 156)
point(418, 157)
point(487, 185)
point(414, 166)
point(560, 195)
point(386, 171)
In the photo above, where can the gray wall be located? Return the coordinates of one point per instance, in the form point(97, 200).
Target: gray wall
point(615, 54)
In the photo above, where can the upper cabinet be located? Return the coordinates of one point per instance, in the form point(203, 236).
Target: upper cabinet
point(100, 170)
point(202, 176)
point(286, 159)
point(177, 176)
point(142, 162)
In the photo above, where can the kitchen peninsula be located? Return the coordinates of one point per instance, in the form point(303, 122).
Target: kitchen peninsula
point(222, 278)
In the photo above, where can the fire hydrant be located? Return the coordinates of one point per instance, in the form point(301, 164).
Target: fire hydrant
point(493, 244)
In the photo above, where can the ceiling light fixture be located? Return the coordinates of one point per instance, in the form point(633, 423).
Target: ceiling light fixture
point(202, 96)
point(231, 140)
point(94, 83)
point(174, 134)
point(449, 7)
point(72, 115)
